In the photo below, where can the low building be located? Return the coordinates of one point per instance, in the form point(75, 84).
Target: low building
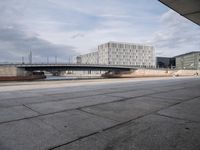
point(189, 60)
point(165, 62)
point(118, 53)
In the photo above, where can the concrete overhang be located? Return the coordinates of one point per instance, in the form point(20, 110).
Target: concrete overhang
point(190, 9)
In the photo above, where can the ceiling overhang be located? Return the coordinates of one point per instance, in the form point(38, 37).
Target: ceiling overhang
point(190, 9)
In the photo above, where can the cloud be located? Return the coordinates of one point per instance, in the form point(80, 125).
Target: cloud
point(77, 35)
point(95, 22)
point(17, 44)
point(66, 28)
point(17, 38)
point(176, 35)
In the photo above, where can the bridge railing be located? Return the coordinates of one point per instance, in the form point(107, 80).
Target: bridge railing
point(74, 64)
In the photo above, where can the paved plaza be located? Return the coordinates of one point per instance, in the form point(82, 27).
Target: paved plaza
point(107, 114)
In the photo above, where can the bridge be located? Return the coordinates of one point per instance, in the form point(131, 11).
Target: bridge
point(76, 67)
point(60, 68)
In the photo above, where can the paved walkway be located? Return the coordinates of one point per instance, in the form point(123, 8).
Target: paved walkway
point(120, 114)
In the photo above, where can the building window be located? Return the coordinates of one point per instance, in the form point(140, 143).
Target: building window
point(140, 47)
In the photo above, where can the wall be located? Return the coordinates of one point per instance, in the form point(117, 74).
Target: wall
point(11, 71)
point(156, 73)
point(188, 61)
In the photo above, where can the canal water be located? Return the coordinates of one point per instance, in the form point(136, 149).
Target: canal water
point(49, 78)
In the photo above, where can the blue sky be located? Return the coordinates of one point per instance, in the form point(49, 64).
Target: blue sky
point(66, 28)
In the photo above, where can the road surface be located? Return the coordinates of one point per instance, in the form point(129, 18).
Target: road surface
point(113, 114)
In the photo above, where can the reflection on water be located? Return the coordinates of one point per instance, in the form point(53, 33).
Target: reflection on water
point(59, 78)
point(50, 77)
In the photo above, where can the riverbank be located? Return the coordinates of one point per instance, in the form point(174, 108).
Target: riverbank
point(21, 78)
point(139, 73)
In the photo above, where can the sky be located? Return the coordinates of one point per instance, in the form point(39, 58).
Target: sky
point(67, 28)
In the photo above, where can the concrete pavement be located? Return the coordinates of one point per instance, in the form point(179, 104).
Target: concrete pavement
point(118, 114)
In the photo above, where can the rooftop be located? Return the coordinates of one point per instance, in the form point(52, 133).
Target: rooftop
point(193, 52)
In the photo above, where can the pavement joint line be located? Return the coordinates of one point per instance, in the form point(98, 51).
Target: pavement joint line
point(171, 117)
point(57, 100)
point(62, 93)
point(152, 96)
point(121, 124)
point(123, 91)
point(186, 100)
point(94, 90)
point(150, 113)
point(123, 99)
point(97, 115)
point(183, 100)
point(105, 93)
point(66, 110)
point(120, 100)
point(94, 133)
point(77, 139)
point(39, 115)
point(15, 120)
point(114, 95)
point(50, 125)
point(63, 99)
point(90, 90)
point(56, 94)
point(117, 100)
point(173, 97)
point(115, 126)
point(31, 109)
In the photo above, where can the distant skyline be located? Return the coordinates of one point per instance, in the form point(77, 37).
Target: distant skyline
point(66, 28)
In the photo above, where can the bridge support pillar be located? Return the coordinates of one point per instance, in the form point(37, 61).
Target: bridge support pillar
point(55, 73)
point(89, 71)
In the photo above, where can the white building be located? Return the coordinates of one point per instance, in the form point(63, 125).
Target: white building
point(90, 58)
point(115, 53)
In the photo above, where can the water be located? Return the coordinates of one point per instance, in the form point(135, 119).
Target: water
point(49, 78)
